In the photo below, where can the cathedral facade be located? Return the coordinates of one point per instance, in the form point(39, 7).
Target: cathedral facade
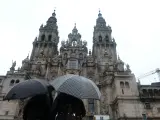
point(122, 97)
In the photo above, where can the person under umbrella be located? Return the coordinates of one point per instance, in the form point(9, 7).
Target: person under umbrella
point(37, 108)
point(39, 93)
point(65, 108)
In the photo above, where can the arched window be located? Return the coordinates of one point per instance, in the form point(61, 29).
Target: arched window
point(49, 37)
point(107, 38)
point(126, 84)
point(122, 84)
point(12, 82)
point(155, 92)
point(17, 81)
point(42, 37)
point(100, 38)
point(150, 91)
point(145, 93)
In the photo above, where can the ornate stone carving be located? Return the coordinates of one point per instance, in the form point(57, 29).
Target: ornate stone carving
point(128, 68)
point(13, 66)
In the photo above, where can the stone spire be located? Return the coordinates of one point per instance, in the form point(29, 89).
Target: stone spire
point(99, 15)
point(74, 31)
point(102, 40)
point(52, 19)
point(51, 24)
point(48, 34)
point(100, 20)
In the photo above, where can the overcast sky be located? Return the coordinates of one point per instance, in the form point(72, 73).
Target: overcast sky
point(135, 27)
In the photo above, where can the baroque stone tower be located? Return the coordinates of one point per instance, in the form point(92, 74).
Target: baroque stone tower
point(120, 93)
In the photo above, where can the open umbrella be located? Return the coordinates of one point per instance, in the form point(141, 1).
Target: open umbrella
point(76, 86)
point(28, 88)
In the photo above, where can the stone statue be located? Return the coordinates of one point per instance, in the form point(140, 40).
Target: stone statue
point(62, 43)
point(105, 52)
point(128, 68)
point(13, 66)
point(35, 39)
point(41, 26)
point(74, 43)
point(85, 43)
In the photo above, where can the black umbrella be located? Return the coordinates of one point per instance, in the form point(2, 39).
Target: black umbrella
point(77, 86)
point(28, 88)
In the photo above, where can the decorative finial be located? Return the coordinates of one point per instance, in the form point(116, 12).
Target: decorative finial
point(99, 15)
point(54, 14)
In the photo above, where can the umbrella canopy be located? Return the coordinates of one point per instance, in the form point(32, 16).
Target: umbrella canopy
point(28, 88)
point(77, 86)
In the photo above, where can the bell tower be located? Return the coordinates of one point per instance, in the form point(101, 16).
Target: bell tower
point(46, 45)
point(103, 43)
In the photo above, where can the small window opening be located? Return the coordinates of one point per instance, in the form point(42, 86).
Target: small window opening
point(42, 37)
point(17, 81)
point(147, 105)
point(150, 91)
point(0, 80)
point(122, 84)
point(12, 82)
point(155, 92)
point(126, 84)
point(107, 38)
point(145, 93)
point(49, 37)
